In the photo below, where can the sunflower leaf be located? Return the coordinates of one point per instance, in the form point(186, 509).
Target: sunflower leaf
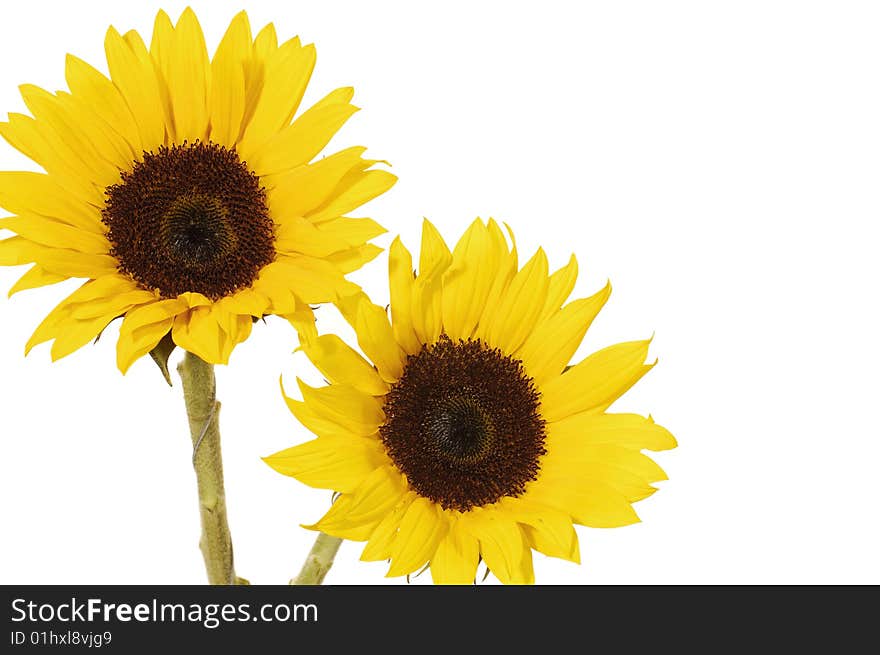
point(161, 353)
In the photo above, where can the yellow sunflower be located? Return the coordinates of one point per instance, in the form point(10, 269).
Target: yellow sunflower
point(467, 435)
point(183, 190)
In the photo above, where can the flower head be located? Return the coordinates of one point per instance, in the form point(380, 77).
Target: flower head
point(465, 434)
point(183, 189)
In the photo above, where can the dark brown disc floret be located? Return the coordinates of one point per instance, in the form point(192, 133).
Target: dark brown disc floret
point(463, 424)
point(190, 217)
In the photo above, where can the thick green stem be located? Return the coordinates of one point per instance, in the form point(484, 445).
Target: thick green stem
point(203, 411)
point(319, 561)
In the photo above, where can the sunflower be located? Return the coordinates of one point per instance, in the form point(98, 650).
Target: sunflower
point(467, 436)
point(184, 192)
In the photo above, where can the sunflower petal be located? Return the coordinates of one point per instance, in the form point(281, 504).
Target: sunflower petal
point(456, 558)
point(341, 364)
point(550, 347)
point(287, 73)
point(597, 381)
point(382, 538)
point(376, 339)
point(518, 311)
point(369, 185)
point(588, 502)
point(434, 259)
point(401, 283)
point(51, 233)
point(132, 72)
point(547, 529)
point(344, 405)
point(300, 142)
point(39, 194)
point(503, 547)
point(467, 282)
point(35, 277)
point(186, 75)
point(105, 99)
point(334, 463)
point(421, 529)
point(626, 430)
point(226, 100)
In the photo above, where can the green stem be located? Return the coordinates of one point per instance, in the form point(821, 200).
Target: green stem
point(203, 411)
point(319, 560)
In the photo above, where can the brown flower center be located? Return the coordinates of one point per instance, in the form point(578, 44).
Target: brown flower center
point(463, 424)
point(191, 217)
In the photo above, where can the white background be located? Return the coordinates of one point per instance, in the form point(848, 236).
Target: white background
point(718, 161)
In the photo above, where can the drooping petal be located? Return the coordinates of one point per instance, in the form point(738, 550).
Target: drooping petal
point(456, 558)
point(382, 538)
point(502, 546)
point(421, 529)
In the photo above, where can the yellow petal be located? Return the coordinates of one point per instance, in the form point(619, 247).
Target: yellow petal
point(51, 233)
point(186, 73)
point(337, 524)
point(550, 347)
point(297, 235)
point(560, 287)
point(421, 529)
point(312, 280)
point(312, 420)
point(198, 332)
point(80, 139)
point(518, 311)
point(39, 142)
point(132, 72)
point(466, 283)
point(502, 546)
point(369, 185)
point(575, 454)
point(36, 193)
point(344, 405)
point(547, 529)
point(301, 141)
point(591, 503)
point(303, 189)
point(226, 101)
point(457, 556)
point(596, 382)
point(287, 73)
point(376, 339)
point(341, 364)
point(507, 267)
point(69, 263)
point(627, 430)
point(74, 334)
point(99, 93)
point(134, 343)
point(348, 261)
point(377, 494)
point(383, 536)
point(351, 231)
point(334, 463)
point(401, 282)
point(36, 276)
point(434, 259)
point(249, 301)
